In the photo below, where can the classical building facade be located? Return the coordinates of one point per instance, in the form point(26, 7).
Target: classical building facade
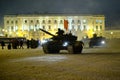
point(28, 25)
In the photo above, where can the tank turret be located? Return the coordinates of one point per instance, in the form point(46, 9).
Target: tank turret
point(62, 41)
point(61, 36)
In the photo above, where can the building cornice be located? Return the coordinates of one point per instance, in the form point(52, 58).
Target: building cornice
point(52, 14)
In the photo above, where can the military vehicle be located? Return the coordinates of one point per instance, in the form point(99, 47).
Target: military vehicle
point(62, 41)
point(96, 41)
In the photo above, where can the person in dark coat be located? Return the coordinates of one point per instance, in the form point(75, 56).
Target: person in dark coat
point(2, 44)
point(9, 46)
point(28, 44)
point(21, 44)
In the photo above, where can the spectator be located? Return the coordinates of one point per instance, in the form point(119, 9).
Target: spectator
point(2, 44)
point(28, 44)
point(21, 44)
point(9, 46)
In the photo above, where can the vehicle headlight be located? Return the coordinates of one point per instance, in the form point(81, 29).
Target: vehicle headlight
point(103, 42)
point(65, 44)
point(44, 41)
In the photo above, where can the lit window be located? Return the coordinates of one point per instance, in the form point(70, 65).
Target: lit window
point(73, 27)
point(84, 27)
point(12, 28)
point(25, 28)
point(55, 21)
point(100, 27)
point(31, 21)
point(79, 27)
point(78, 21)
point(16, 21)
point(9, 28)
point(35, 26)
point(43, 27)
point(49, 21)
point(96, 27)
point(49, 27)
point(61, 21)
point(25, 21)
point(7, 22)
point(11, 22)
point(100, 21)
point(72, 21)
point(97, 21)
point(43, 21)
point(16, 28)
point(31, 27)
point(37, 21)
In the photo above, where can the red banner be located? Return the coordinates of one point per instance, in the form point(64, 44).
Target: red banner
point(66, 24)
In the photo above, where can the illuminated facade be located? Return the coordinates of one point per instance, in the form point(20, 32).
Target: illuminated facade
point(28, 25)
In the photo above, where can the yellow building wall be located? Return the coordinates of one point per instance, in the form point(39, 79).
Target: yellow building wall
point(28, 25)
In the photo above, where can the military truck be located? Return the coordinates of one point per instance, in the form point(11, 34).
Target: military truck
point(62, 41)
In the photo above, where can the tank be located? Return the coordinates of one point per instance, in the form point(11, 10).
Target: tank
point(96, 41)
point(62, 41)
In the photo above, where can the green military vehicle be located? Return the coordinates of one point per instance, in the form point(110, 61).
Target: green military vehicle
point(62, 41)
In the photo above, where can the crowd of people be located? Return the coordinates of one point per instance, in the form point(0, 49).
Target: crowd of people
point(19, 43)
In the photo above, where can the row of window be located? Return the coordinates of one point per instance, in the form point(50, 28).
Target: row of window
point(55, 21)
point(11, 22)
point(49, 28)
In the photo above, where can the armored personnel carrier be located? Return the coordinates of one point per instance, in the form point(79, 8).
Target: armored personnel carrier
point(62, 41)
point(96, 41)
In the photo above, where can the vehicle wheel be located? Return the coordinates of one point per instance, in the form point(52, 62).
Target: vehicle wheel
point(70, 49)
point(45, 49)
point(54, 49)
point(77, 47)
point(50, 48)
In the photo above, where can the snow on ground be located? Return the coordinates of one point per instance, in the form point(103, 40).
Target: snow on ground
point(101, 50)
point(33, 64)
point(47, 58)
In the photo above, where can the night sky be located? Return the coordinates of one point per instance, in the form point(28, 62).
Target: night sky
point(109, 8)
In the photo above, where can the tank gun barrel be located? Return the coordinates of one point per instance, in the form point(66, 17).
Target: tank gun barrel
point(46, 32)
